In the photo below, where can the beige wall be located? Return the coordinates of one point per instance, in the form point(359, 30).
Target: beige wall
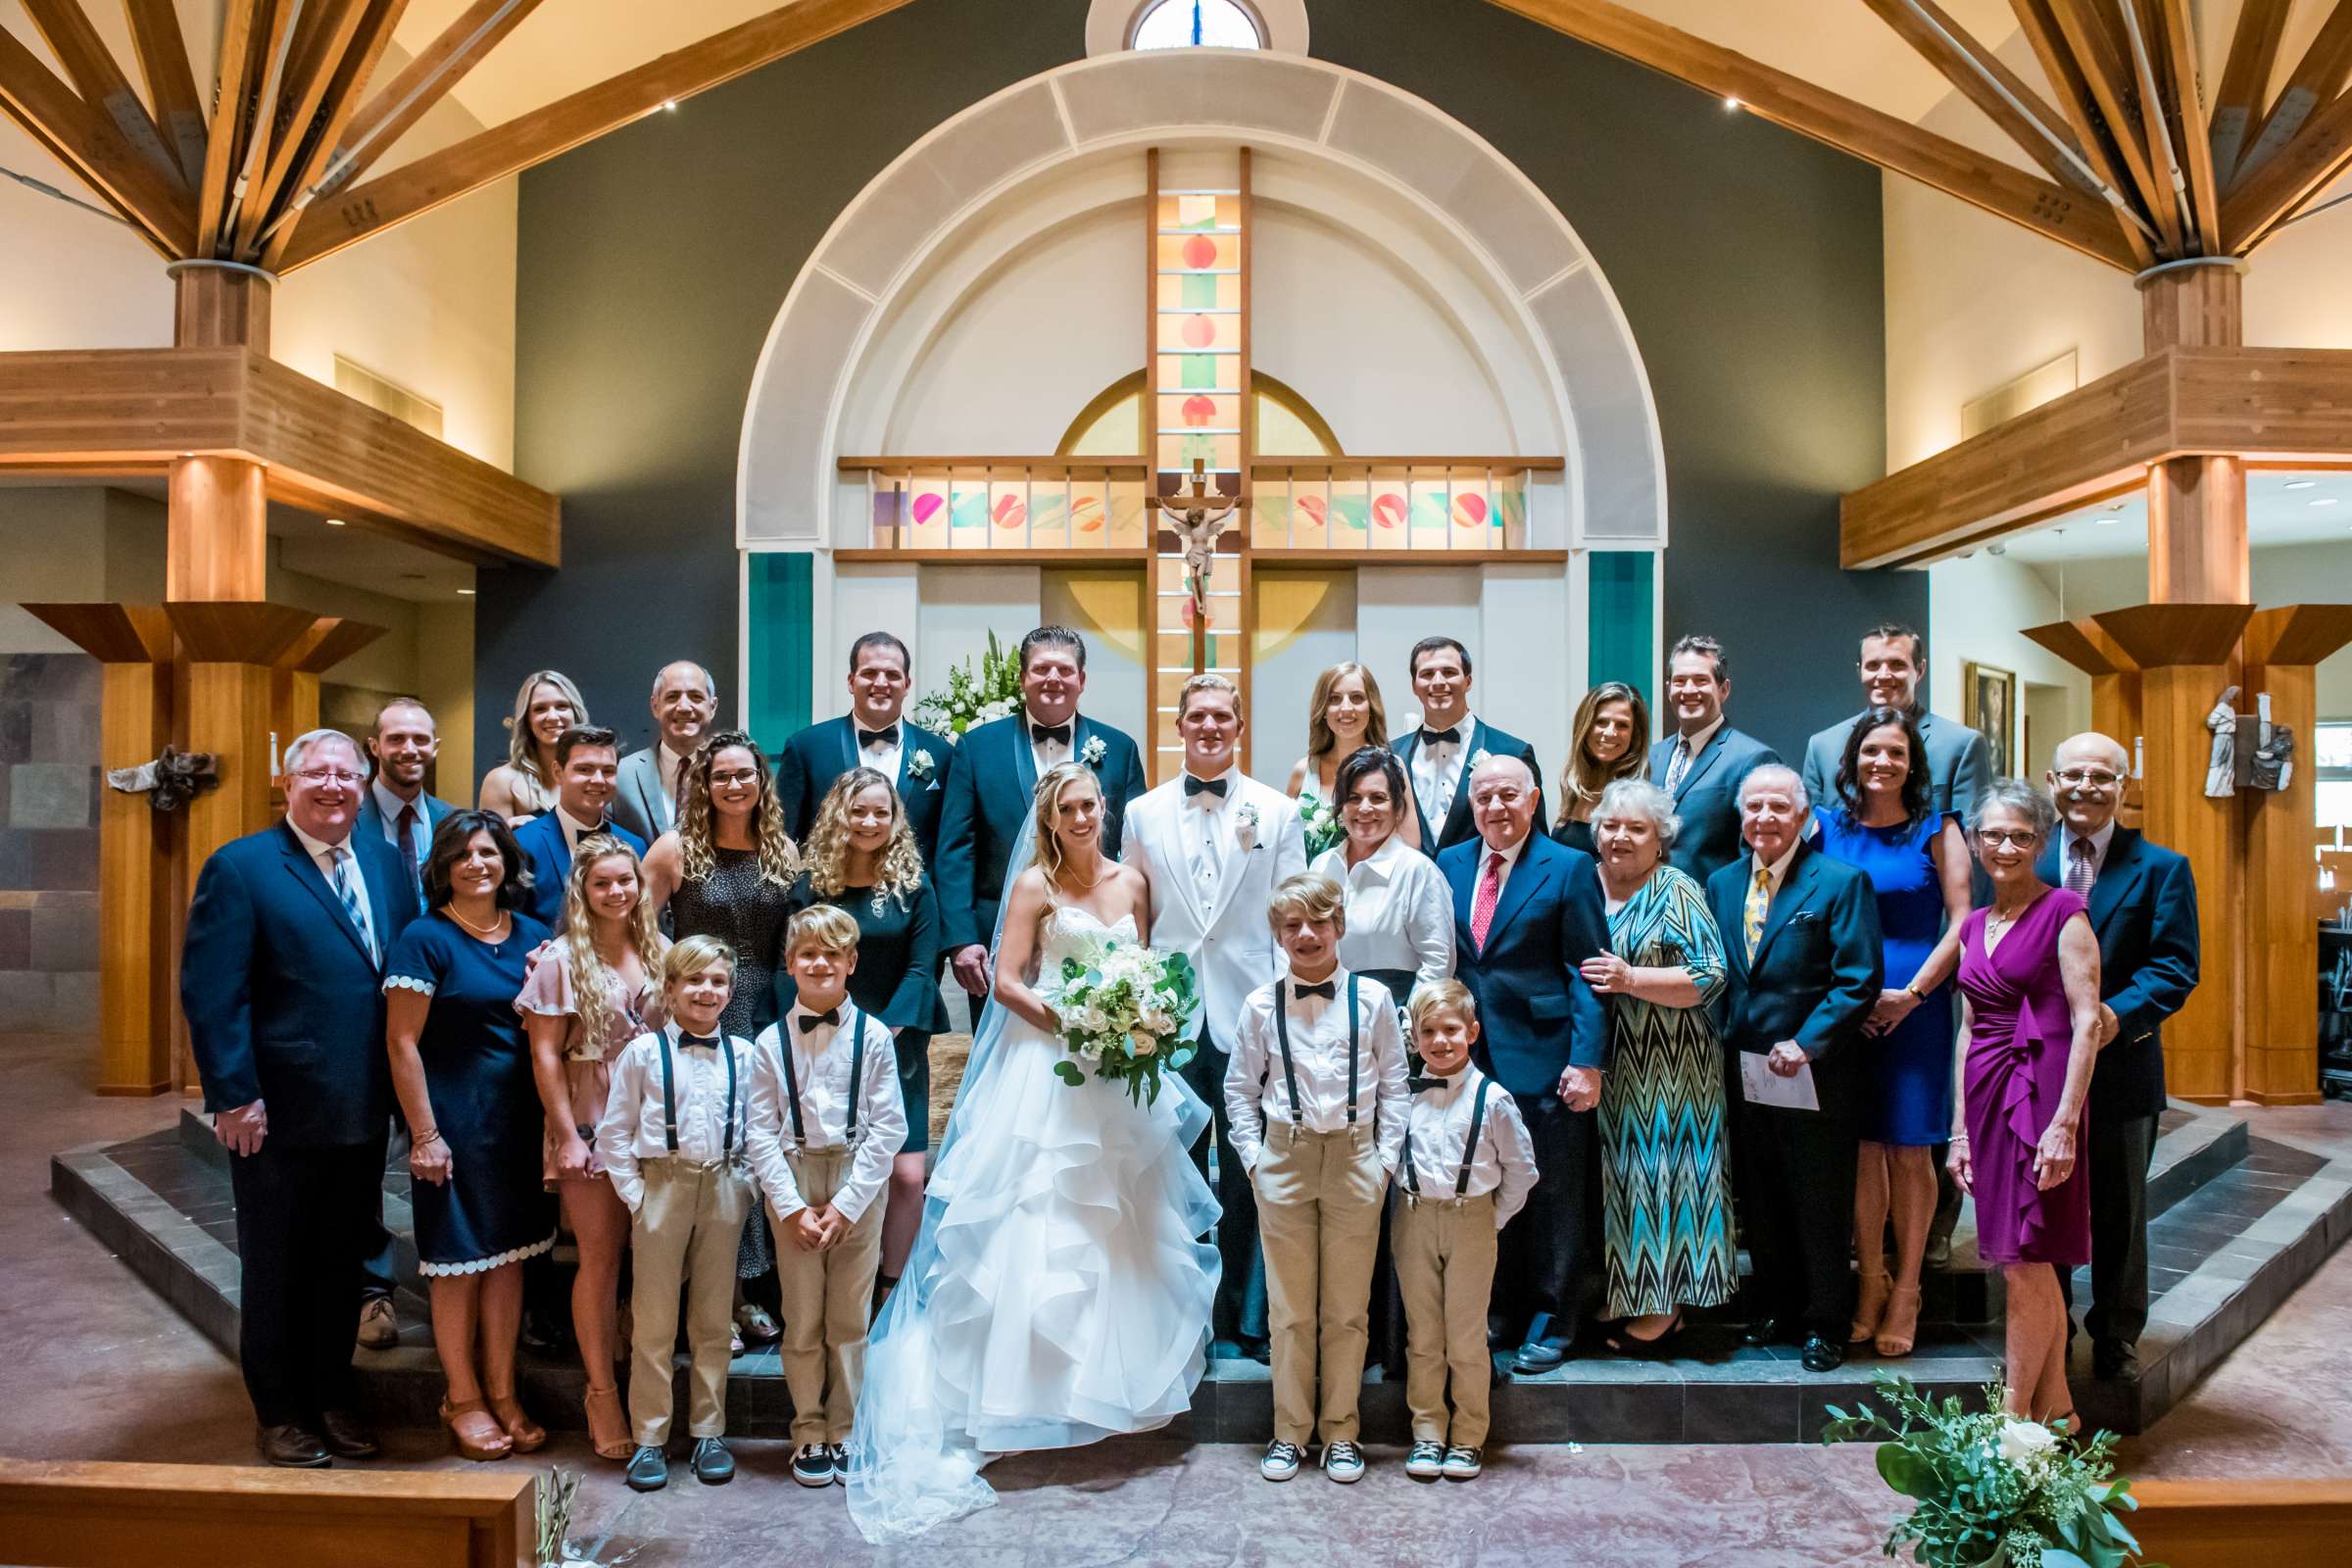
point(1975, 610)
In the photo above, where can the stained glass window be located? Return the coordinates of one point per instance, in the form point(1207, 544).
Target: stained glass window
point(1197, 23)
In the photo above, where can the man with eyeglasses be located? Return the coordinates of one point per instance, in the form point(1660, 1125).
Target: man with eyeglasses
point(2143, 907)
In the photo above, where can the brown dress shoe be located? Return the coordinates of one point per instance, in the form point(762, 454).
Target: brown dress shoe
point(379, 1324)
point(346, 1437)
point(295, 1448)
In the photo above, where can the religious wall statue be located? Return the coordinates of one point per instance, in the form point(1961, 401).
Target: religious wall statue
point(2221, 769)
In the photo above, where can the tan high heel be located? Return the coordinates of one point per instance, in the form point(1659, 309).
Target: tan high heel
point(1899, 1330)
point(451, 1414)
point(608, 1427)
point(1871, 1306)
point(528, 1435)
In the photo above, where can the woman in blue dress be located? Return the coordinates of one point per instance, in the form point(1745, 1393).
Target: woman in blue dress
point(1917, 859)
point(461, 1066)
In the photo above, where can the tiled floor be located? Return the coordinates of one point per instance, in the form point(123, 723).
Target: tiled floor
point(93, 1367)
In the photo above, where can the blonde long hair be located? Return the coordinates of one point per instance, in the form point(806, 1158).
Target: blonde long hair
point(1320, 741)
point(899, 873)
point(1046, 804)
point(593, 980)
point(522, 748)
point(1584, 778)
point(697, 849)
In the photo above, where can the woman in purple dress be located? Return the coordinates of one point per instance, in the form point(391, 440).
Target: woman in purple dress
point(2030, 982)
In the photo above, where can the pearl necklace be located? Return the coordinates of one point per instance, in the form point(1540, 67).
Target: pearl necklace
point(483, 931)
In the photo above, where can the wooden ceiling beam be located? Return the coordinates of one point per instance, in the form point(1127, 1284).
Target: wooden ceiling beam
point(95, 72)
point(358, 69)
point(533, 138)
point(232, 97)
point(1980, 77)
point(393, 109)
point(2172, 46)
point(312, 68)
point(2095, 37)
point(2065, 76)
point(273, 58)
point(73, 134)
point(2269, 195)
point(2245, 91)
point(170, 82)
point(2318, 76)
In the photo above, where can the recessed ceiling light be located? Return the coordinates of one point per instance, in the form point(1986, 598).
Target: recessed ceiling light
point(2106, 522)
point(2325, 501)
point(334, 522)
point(468, 592)
point(672, 103)
point(1732, 103)
point(2301, 484)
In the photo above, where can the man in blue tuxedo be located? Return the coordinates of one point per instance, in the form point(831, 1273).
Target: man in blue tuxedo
point(645, 792)
point(1702, 763)
point(987, 796)
point(587, 762)
point(1800, 934)
point(2143, 909)
point(1894, 662)
point(1527, 914)
point(1441, 755)
point(875, 734)
point(281, 977)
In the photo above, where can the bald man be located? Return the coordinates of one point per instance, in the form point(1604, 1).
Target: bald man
point(645, 794)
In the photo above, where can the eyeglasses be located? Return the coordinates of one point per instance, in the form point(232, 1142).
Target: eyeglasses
point(325, 775)
point(2021, 837)
point(749, 775)
point(2089, 778)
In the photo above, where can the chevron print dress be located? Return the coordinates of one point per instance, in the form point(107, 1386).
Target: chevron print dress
point(1666, 1190)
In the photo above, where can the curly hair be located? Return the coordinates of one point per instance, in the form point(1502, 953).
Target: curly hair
point(897, 872)
point(593, 981)
point(698, 851)
point(1585, 776)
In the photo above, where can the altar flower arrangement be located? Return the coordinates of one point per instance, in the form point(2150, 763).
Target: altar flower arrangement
point(1127, 1011)
point(1991, 1490)
point(973, 697)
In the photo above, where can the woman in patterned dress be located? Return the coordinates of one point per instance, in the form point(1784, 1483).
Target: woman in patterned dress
point(1342, 717)
point(1666, 1230)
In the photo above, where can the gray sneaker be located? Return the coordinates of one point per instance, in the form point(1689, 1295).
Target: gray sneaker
point(1282, 1460)
point(714, 1465)
point(648, 1469)
point(812, 1465)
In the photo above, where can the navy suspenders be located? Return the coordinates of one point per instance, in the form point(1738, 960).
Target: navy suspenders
point(1461, 1179)
point(1289, 1071)
point(791, 1079)
point(669, 1098)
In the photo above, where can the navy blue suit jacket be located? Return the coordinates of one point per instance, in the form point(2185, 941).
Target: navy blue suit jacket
point(1458, 827)
point(1536, 1014)
point(284, 1004)
point(812, 759)
point(542, 843)
point(2143, 909)
point(1817, 972)
point(371, 823)
point(1708, 798)
point(985, 802)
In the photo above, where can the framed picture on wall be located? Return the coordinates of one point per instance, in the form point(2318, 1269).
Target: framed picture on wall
point(1988, 704)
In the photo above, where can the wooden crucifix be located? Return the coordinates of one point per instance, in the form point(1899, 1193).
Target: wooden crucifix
point(1197, 524)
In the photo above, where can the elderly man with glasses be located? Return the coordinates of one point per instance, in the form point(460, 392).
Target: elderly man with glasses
point(2143, 909)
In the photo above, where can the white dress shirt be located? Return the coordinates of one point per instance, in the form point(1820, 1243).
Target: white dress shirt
point(1257, 1092)
point(1502, 878)
point(2098, 849)
point(1437, 768)
point(389, 805)
point(1505, 1161)
point(820, 1062)
point(1780, 874)
point(1207, 824)
point(1399, 910)
point(323, 856)
point(635, 1129)
point(1050, 753)
point(883, 756)
point(575, 829)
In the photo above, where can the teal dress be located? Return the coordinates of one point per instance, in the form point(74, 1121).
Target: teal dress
point(1666, 1192)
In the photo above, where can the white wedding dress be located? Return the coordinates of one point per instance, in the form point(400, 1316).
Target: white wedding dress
point(1060, 1291)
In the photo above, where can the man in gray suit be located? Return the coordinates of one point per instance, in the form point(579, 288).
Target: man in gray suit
point(1894, 661)
point(645, 792)
point(1701, 764)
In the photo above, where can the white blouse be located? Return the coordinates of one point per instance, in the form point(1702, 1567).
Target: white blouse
point(1399, 910)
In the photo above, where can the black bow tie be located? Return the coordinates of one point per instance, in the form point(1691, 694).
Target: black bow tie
point(1327, 989)
point(887, 735)
point(1042, 733)
point(1441, 737)
point(706, 1042)
point(1203, 786)
point(808, 1021)
point(1414, 1086)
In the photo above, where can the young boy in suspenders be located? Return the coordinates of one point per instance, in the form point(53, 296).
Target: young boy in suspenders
point(673, 1140)
point(1466, 1169)
point(1315, 1093)
point(826, 1121)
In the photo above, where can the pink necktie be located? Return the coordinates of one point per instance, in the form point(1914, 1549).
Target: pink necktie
point(2081, 870)
point(1481, 907)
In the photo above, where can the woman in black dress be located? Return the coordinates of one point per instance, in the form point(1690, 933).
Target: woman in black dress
point(463, 1071)
point(862, 857)
point(1608, 741)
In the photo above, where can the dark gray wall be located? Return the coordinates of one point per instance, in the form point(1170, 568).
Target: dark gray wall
point(654, 259)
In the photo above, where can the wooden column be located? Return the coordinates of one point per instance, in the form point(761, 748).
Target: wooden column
point(219, 531)
point(2196, 505)
point(221, 303)
point(2115, 692)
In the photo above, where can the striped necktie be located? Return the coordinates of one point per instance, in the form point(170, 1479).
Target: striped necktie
point(347, 889)
point(1680, 766)
point(2082, 868)
point(1759, 899)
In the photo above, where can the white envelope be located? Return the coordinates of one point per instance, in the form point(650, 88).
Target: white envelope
point(1763, 1087)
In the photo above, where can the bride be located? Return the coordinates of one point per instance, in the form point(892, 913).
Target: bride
point(1058, 1292)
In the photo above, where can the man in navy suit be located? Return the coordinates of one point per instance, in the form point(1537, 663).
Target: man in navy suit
point(281, 978)
point(1441, 755)
point(1527, 914)
point(987, 796)
point(1701, 764)
point(1800, 932)
point(587, 762)
point(876, 734)
point(2143, 909)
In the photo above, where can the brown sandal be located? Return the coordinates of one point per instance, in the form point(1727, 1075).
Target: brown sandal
point(1870, 1308)
point(528, 1435)
point(451, 1414)
point(1899, 1330)
point(605, 1416)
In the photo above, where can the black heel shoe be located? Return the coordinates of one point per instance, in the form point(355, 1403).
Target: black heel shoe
point(1628, 1343)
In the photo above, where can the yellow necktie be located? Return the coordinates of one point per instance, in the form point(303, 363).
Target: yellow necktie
point(1759, 899)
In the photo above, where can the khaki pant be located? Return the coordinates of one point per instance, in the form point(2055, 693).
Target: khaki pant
point(1319, 1198)
point(828, 1304)
point(1444, 1254)
point(687, 1228)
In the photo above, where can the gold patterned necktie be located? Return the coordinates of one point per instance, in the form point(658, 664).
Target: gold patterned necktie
point(1759, 899)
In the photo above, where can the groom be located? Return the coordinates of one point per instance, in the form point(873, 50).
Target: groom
point(1214, 844)
point(987, 796)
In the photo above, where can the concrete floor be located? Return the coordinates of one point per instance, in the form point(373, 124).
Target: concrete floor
point(97, 1368)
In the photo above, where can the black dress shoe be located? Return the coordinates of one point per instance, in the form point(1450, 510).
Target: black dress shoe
point(1537, 1356)
point(2113, 1363)
point(714, 1465)
point(1762, 1331)
point(1257, 1350)
point(295, 1448)
point(346, 1437)
point(1822, 1354)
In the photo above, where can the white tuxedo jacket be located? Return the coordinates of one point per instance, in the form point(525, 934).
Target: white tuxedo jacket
point(1232, 948)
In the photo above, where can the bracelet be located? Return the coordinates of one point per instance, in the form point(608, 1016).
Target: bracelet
point(1958, 1138)
point(430, 1136)
point(1913, 987)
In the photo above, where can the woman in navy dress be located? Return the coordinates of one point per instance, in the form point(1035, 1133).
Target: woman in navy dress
point(862, 856)
point(1607, 741)
point(461, 1066)
point(1917, 859)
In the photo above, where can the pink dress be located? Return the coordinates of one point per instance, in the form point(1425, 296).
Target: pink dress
point(2018, 1039)
point(587, 1063)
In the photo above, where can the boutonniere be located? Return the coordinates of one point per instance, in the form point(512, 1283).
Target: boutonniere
point(919, 765)
point(1244, 826)
point(1093, 752)
point(1478, 758)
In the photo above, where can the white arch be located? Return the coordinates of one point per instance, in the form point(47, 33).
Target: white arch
point(881, 242)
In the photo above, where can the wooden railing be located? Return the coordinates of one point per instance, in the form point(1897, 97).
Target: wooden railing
point(65, 1514)
point(2244, 1524)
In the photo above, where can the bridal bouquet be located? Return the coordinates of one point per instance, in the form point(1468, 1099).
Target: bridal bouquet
point(1991, 1490)
point(1127, 1010)
point(973, 697)
point(1320, 822)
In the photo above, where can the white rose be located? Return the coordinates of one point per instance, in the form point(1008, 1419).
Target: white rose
point(2023, 1442)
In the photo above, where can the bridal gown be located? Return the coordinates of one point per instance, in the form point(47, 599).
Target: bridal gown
point(1059, 1289)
